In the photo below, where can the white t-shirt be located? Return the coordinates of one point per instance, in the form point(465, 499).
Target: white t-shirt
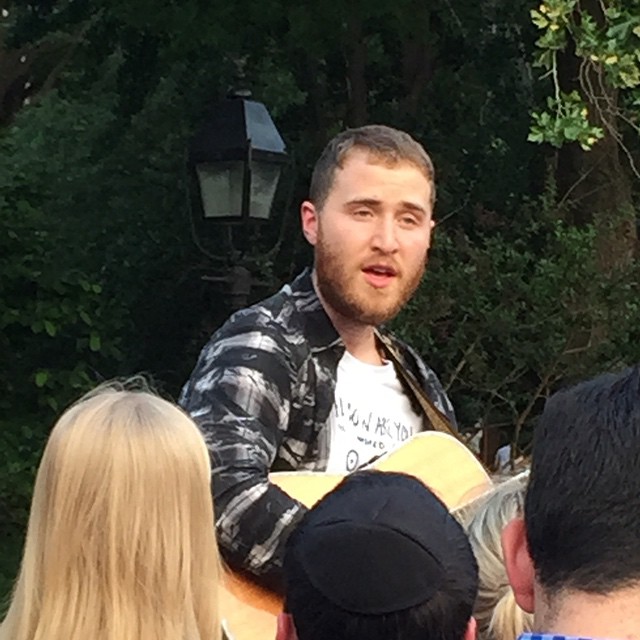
point(370, 416)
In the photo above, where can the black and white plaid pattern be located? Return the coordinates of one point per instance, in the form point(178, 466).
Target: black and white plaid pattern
point(548, 636)
point(261, 392)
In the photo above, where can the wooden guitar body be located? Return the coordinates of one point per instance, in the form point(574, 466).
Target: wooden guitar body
point(443, 463)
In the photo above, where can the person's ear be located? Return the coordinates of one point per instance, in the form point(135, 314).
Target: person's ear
point(309, 220)
point(518, 563)
point(472, 630)
point(286, 630)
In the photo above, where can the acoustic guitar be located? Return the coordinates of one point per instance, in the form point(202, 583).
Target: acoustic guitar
point(443, 463)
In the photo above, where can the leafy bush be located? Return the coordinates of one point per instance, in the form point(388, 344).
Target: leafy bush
point(57, 326)
point(93, 239)
point(524, 309)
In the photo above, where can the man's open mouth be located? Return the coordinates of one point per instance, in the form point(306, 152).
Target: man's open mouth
point(381, 270)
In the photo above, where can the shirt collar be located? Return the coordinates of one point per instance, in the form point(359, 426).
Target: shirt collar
point(318, 328)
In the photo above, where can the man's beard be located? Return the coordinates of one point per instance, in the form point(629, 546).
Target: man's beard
point(356, 300)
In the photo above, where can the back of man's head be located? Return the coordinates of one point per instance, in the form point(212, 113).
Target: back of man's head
point(582, 510)
point(380, 557)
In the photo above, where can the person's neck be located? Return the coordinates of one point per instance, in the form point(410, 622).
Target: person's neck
point(612, 616)
point(359, 341)
point(359, 338)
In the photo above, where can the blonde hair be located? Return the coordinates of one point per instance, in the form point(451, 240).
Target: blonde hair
point(120, 543)
point(498, 615)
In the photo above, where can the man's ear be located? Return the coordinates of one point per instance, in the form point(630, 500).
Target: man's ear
point(309, 219)
point(472, 630)
point(518, 563)
point(286, 629)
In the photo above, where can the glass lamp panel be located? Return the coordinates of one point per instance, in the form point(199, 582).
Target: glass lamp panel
point(221, 188)
point(264, 181)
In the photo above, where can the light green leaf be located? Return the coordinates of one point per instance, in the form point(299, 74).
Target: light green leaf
point(572, 131)
point(538, 19)
point(50, 328)
point(41, 378)
point(94, 342)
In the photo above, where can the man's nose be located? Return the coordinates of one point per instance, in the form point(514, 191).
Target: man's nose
point(385, 237)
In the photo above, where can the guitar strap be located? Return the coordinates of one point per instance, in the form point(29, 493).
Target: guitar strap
point(438, 420)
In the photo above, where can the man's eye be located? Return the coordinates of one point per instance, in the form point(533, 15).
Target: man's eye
point(362, 213)
point(409, 220)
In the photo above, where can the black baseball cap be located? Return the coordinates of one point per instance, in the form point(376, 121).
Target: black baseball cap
point(379, 543)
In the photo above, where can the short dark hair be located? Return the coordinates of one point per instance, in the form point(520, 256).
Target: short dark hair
point(436, 594)
point(582, 509)
point(383, 143)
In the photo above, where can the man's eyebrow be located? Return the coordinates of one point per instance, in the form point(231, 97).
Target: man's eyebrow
point(374, 204)
point(367, 202)
point(412, 206)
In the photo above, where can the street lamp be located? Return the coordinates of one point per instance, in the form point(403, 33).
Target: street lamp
point(238, 155)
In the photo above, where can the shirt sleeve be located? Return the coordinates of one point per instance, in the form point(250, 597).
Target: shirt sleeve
point(240, 395)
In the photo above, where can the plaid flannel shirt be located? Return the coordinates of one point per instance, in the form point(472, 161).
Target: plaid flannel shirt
point(261, 392)
point(549, 636)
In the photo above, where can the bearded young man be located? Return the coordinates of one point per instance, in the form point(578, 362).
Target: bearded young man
point(302, 380)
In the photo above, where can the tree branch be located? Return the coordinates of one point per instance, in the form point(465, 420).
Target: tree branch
point(460, 366)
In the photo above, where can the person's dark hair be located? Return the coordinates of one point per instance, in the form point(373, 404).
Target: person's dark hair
point(402, 586)
point(582, 510)
point(383, 143)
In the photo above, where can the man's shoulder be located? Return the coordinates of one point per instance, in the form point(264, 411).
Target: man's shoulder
point(411, 359)
point(426, 377)
point(278, 311)
point(291, 319)
point(263, 342)
point(269, 325)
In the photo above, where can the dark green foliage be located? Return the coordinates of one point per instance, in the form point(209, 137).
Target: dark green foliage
point(57, 326)
point(521, 311)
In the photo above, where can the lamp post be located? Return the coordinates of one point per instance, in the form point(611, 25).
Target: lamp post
point(237, 155)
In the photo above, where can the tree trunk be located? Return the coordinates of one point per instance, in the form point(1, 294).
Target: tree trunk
point(417, 70)
point(595, 186)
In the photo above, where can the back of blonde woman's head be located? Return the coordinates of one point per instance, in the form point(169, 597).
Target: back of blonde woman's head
point(120, 542)
point(496, 611)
